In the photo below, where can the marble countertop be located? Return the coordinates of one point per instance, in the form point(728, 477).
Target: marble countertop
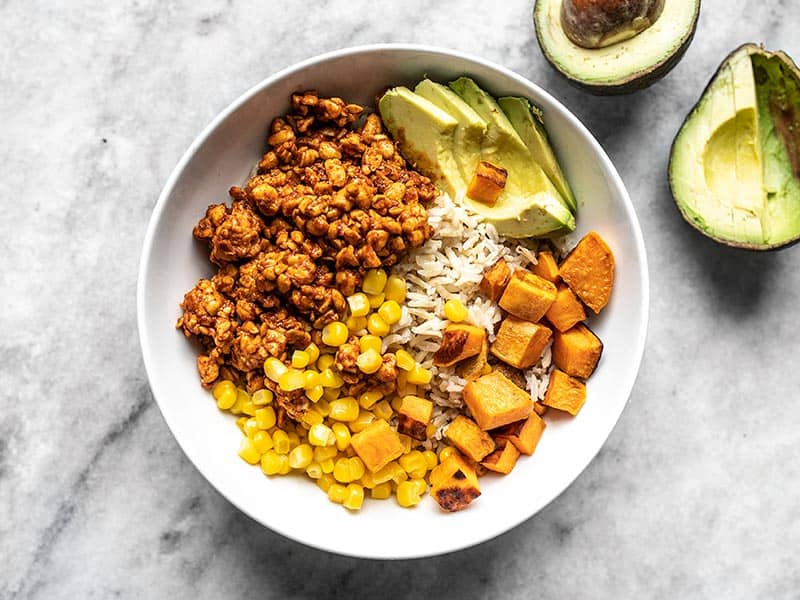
point(695, 494)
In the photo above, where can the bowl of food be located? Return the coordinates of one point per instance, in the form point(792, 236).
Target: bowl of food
point(392, 301)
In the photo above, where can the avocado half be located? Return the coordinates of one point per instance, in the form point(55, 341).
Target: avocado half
point(734, 167)
point(627, 66)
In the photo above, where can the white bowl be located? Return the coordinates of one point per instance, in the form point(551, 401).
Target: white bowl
point(172, 262)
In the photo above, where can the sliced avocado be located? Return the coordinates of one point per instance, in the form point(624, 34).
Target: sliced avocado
point(426, 136)
point(626, 64)
point(735, 164)
point(527, 122)
point(471, 126)
point(529, 205)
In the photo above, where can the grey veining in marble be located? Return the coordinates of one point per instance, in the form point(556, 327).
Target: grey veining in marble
point(695, 495)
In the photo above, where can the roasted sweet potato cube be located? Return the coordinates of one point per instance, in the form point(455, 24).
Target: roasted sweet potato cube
point(503, 459)
point(377, 445)
point(487, 184)
point(546, 266)
point(495, 279)
point(539, 408)
point(525, 435)
point(459, 341)
point(494, 400)
point(520, 343)
point(589, 271)
point(577, 351)
point(465, 435)
point(566, 310)
point(454, 483)
point(565, 393)
point(527, 296)
point(472, 368)
point(413, 417)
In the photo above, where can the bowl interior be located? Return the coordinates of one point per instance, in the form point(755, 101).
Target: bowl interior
point(172, 262)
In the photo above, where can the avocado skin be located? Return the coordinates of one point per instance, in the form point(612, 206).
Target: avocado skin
point(632, 83)
point(750, 48)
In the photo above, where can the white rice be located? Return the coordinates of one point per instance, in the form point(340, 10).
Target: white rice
point(451, 265)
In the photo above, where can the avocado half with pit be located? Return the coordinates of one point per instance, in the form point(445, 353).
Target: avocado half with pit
point(735, 164)
point(610, 48)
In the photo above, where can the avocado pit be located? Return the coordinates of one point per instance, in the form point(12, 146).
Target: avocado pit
point(601, 23)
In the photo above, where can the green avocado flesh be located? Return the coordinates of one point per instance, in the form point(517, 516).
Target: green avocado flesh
point(735, 164)
point(446, 131)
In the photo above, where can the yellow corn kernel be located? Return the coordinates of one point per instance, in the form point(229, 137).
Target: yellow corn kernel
point(312, 417)
point(248, 452)
point(398, 473)
point(369, 398)
point(344, 409)
point(301, 456)
point(357, 468)
point(362, 421)
point(342, 435)
point(225, 393)
point(265, 417)
point(250, 427)
point(240, 423)
point(321, 435)
point(446, 452)
point(405, 361)
point(385, 474)
point(262, 397)
point(381, 491)
point(315, 393)
point(337, 493)
point(455, 311)
point(375, 300)
point(354, 498)
point(342, 471)
point(314, 470)
point(431, 460)
point(374, 281)
point(300, 359)
point(395, 289)
point(359, 304)
point(382, 410)
point(335, 334)
point(397, 402)
point(407, 494)
point(414, 463)
point(274, 368)
point(262, 441)
point(310, 379)
point(323, 407)
point(419, 376)
point(272, 462)
point(247, 407)
point(367, 481)
point(325, 481)
point(323, 453)
point(390, 312)
point(292, 379)
point(376, 325)
point(407, 441)
point(280, 442)
point(330, 394)
point(313, 353)
point(325, 362)
point(294, 439)
point(369, 362)
point(430, 430)
point(356, 323)
point(422, 485)
point(330, 379)
point(365, 342)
